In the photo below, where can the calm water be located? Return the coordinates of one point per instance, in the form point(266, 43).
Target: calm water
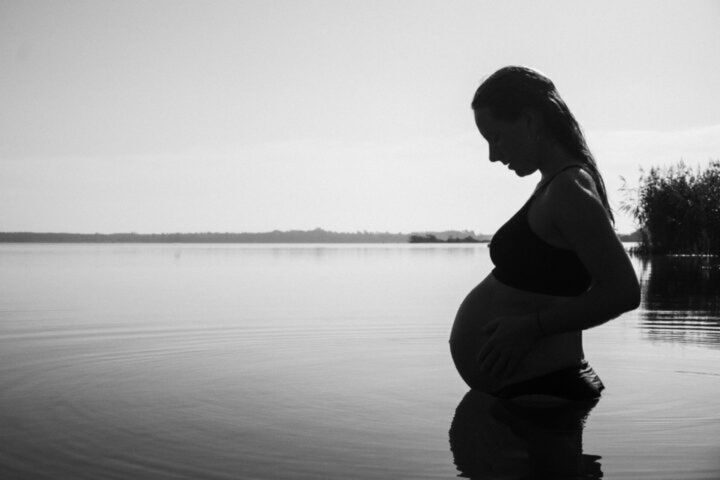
point(326, 361)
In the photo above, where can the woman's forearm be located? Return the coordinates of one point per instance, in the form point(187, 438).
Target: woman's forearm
point(593, 308)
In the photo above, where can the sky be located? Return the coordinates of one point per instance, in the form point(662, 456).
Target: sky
point(232, 116)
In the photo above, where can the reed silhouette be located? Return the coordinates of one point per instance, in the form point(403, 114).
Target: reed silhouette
point(678, 209)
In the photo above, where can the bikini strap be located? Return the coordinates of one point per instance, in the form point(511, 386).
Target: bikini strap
point(547, 182)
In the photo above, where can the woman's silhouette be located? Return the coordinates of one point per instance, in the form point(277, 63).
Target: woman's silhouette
point(559, 266)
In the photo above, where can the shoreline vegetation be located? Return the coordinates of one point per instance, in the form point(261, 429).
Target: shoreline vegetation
point(678, 210)
point(317, 235)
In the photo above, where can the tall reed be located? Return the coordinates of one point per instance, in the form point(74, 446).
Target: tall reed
point(677, 209)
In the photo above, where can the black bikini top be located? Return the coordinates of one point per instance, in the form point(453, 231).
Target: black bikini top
point(525, 261)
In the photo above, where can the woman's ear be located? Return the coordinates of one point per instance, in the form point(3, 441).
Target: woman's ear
point(533, 121)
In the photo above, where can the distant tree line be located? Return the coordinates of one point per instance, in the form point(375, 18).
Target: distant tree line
point(293, 236)
point(678, 209)
point(317, 235)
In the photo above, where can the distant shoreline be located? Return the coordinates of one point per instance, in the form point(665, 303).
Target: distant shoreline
point(293, 236)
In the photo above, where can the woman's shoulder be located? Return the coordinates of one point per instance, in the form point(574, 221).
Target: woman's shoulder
point(572, 185)
point(572, 200)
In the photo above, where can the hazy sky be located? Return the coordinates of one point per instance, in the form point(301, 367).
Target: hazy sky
point(164, 116)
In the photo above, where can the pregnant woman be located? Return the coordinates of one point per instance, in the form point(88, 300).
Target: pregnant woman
point(559, 266)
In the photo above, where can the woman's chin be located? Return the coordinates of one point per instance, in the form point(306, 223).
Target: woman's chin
point(520, 172)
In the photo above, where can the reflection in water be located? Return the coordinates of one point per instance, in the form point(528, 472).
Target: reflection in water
point(491, 438)
point(681, 299)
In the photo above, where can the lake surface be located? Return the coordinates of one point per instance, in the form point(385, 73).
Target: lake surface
point(326, 361)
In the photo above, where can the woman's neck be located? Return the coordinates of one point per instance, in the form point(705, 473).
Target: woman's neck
point(554, 159)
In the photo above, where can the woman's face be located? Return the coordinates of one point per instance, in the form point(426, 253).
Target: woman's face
point(509, 142)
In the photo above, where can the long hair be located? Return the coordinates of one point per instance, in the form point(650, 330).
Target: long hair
point(511, 89)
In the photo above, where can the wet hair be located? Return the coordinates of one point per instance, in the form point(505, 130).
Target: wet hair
point(510, 90)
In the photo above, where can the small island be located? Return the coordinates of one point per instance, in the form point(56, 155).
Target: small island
point(430, 238)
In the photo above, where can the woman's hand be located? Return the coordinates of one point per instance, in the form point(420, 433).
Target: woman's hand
point(511, 338)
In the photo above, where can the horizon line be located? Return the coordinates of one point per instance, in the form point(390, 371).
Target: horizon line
point(317, 229)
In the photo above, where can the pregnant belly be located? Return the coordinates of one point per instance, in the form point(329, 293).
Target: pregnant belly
point(489, 300)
